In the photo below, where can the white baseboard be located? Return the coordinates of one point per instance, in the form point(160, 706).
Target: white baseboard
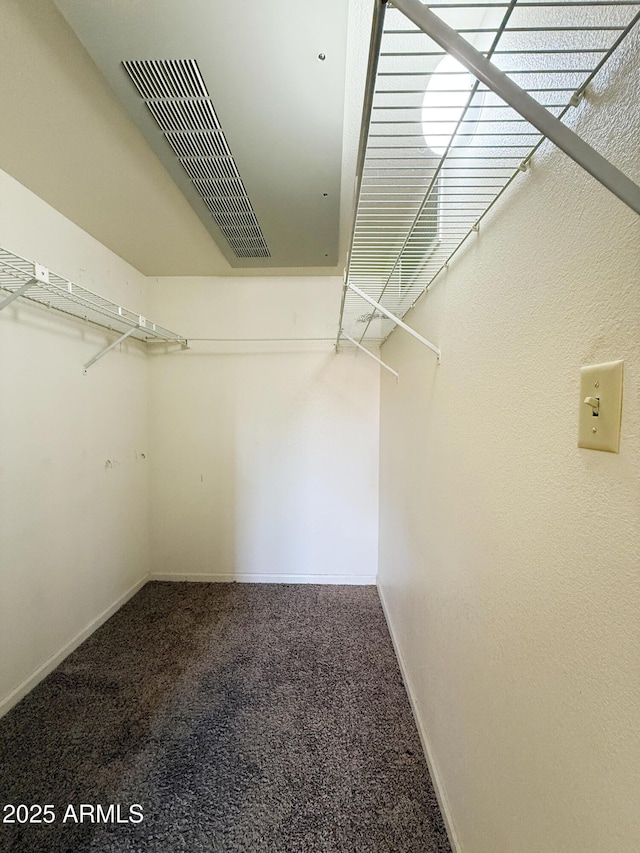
point(246, 577)
point(426, 747)
point(49, 665)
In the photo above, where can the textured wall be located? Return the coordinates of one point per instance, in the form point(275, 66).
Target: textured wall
point(264, 455)
point(509, 557)
point(73, 538)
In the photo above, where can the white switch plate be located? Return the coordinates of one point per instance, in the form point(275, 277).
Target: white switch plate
point(601, 431)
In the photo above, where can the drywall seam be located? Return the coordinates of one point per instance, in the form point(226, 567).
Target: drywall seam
point(56, 659)
point(424, 739)
point(250, 577)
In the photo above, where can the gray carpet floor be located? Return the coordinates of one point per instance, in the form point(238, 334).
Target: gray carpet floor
point(265, 718)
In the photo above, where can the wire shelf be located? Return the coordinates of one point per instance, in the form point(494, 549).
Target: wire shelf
point(52, 291)
point(440, 147)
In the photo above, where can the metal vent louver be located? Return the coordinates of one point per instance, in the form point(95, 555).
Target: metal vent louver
point(216, 168)
point(184, 115)
point(176, 96)
point(199, 144)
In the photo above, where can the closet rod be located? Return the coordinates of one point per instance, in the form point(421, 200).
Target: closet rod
point(396, 320)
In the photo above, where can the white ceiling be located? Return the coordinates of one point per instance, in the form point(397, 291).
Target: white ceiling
point(292, 123)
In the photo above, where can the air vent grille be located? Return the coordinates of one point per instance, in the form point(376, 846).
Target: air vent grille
point(225, 188)
point(234, 221)
point(217, 168)
point(199, 144)
point(185, 114)
point(233, 204)
point(167, 78)
point(176, 96)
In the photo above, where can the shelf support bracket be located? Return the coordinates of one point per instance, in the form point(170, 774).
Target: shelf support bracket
point(104, 351)
point(396, 320)
point(19, 292)
point(537, 115)
point(344, 335)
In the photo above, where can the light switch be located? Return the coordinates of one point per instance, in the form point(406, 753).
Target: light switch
point(600, 410)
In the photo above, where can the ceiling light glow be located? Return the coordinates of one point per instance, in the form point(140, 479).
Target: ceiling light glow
point(443, 105)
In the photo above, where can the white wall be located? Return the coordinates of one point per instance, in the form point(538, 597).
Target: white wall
point(265, 459)
point(509, 557)
point(264, 456)
point(73, 537)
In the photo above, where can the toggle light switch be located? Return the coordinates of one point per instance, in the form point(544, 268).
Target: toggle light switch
point(600, 410)
point(594, 402)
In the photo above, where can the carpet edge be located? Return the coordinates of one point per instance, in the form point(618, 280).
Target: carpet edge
point(246, 577)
